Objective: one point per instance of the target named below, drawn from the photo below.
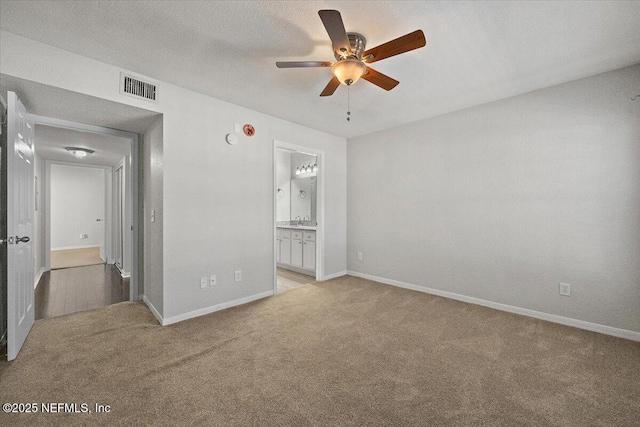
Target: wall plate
(232, 138)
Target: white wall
(77, 200)
(152, 201)
(503, 201)
(39, 236)
(283, 182)
(211, 222)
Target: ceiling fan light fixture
(348, 71)
(78, 152)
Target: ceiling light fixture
(78, 152)
(348, 71)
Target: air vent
(137, 88)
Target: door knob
(24, 239)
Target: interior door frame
(108, 226)
(134, 294)
(320, 159)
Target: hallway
(70, 290)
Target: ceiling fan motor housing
(358, 43)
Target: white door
(309, 255)
(285, 250)
(20, 212)
(296, 252)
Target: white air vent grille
(135, 87)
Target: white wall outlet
(153, 215)
(203, 282)
(84, 236)
(359, 256)
(212, 280)
(238, 276)
(565, 289)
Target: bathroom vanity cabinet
(296, 249)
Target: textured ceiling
(477, 52)
(51, 141)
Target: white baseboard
(123, 273)
(207, 310)
(581, 324)
(38, 277)
(153, 309)
(334, 275)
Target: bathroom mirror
(303, 198)
(296, 187)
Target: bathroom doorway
(298, 206)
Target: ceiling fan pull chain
(348, 103)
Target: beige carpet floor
(344, 352)
(67, 258)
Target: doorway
(85, 233)
(298, 215)
(77, 213)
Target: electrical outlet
(565, 289)
(212, 280)
(203, 282)
(238, 276)
(359, 256)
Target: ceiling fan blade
(332, 21)
(331, 87)
(303, 64)
(379, 79)
(395, 47)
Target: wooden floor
(290, 279)
(77, 289)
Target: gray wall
(152, 165)
(505, 200)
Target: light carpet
(344, 352)
(67, 258)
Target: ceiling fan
(352, 59)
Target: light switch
(212, 280)
(153, 215)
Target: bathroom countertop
(299, 227)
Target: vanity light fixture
(306, 168)
(78, 152)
